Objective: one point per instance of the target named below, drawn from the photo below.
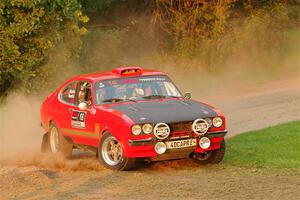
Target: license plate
(181, 143)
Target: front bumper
(144, 148)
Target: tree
(30, 33)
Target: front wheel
(111, 154)
(213, 157)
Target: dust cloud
(20, 125)
(21, 137)
(21, 134)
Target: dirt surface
(168, 180)
(260, 106)
(31, 176)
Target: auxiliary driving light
(204, 142)
(161, 130)
(160, 147)
(200, 126)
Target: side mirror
(83, 106)
(187, 95)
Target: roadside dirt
(168, 180)
(28, 175)
(259, 106)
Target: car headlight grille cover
(200, 126)
(161, 130)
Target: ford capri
(131, 114)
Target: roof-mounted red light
(128, 71)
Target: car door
(63, 110)
(83, 121)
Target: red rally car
(129, 114)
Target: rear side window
(68, 93)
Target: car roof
(98, 76)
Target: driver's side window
(84, 93)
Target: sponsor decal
(78, 119)
(113, 82)
(152, 79)
(130, 81)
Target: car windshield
(135, 88)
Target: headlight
(204, 142)
(147, 128)
(209, 122)
(136, 129)
(217, 122)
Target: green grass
(277, 146)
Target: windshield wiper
(159, 96)
(133, 100)
(156, 96)
(113, 100)
(173, 96)
(118, 100)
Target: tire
(110, 154)
(57, 144)
(212, 157)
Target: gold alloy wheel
(112, 151)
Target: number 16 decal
(78, 119)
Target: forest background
(45, 42)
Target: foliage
(31, 33)
(42, 44)
(192, 22)
(260, 35)
(276, 146)
(100, 6)
(213, 31)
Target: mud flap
(45, 144)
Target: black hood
(167, 111)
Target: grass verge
(277, 146)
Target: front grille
(181, 126)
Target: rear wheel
(111, 154)
(213, 157)
(57, 143)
